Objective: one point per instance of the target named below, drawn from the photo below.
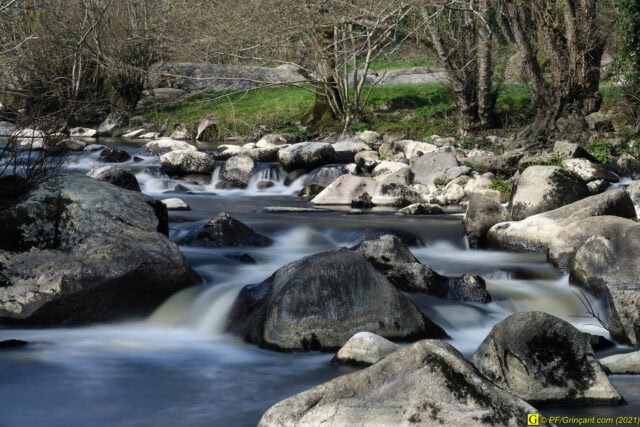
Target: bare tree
(461, 35)
(568, 32)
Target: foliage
(504, 187)
(601, 150)
(629, 60)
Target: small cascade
(266, 175)
(215, 176)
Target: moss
(601, 150)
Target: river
(178, 367)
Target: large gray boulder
(237, 171)
(569, 150)
(483, 212)
(347, 149)
(562, 231)
(77, 250)
(545, 361)
(589, 171)
(225, 231)
(544, 188)
(345, 190)
(306, 155)
(430, 167)
(502, 165)
(634, 193)
(623, 313)
(320, 178)
(184, 162)
(626, 363)
(320, 301)
(120, 177)
(427, 383)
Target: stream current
(178, 367)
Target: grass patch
(601, 150)
(383, 63)
(504, 187)
(240, 113)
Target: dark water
(178, 368)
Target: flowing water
(178, 367)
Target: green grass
(504, 187)
(240, 113)
(384, 63)
(601, 150)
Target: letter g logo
(533, 419)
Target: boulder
(225, 231)
(386, 252)
(417, 277)
(165, 145)
(367, 160)
(134, 133)
(272, 140)
(562, 231)
(306, 155)
(80, 132)
(628, 166)
(345, 190)
(371, 138)
(589, 171)
(264, 154)
(111, 123)
(634, 193)
(30, 139)
(422, 209)
(428, 168)
(114, 155)
(394, 190)
(347, 149)
(415, 149)
(78, 250)
(599, 122)
(120, 177)
(545, 361)
(626, 363)
(226, 151)
(623, 313)
(207, 129)
(364, 349)
(427, 383)
(386, 167)
(469, 288)
(502, 165)
(183, 162)
(544, 188)
(67, 144)
(483, 212)
(175, 204)
(320, 178)
(568, 150)
(237, 171)
(320, 301)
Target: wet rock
(483, 212)
(386, 252)
(346, 150)
(562, 231)
(242, 257)
(12, 344)
(306, 155)
(120, 177)
(237, 171)
(469, 288)
(627, 363)
(291, 209)
(345, 189)
(183, 162)
(77, 250)
(422, 209)
(545, 361)
(428, 168)
(134, 133)
(320, 301)
(176, 204)
(544, 188)
(264, 184)
(376, 233)
(568, 150)
(364, 349)
(114, 155)
(163, 146)
(67, 144)
(417, 277)
(628, 166)
(224, 230)
(427, 383)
